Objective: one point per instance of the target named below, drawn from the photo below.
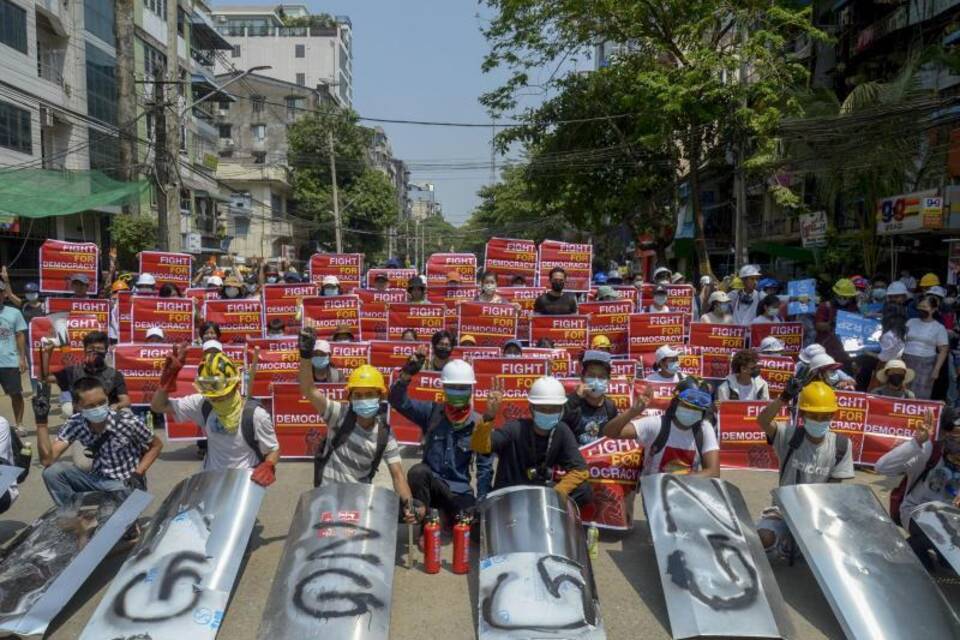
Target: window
(15, 128)
(225, 105)
(154, 62)
(299, 51)
(13, 26)
(276, 205)
(259, 132)
(181, 22)
(235, 53)
(241, 227)
(259, 157)
(101, 85)
(226, 130)
(294, 107)
(104, 150)
(157, 7)
(301, 79)
(98, 19)
(256, 103)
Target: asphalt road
(443, 605)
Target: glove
(481, 440)
(265, 474)
(171, 368)
(413, 365)
(306, 340)
(41, 403)
(791, 390)
(136, 481)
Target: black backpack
(247, 427)
(661, 440)
(347, 426)
(20, 459)
(843, 443)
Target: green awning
(40, 193)
(797, 254)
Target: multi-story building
(302, 49)
(422, 198)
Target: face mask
(545, 421)
(366, 407)
(556, 285)
(272, 279)
(320, 362)
(457, 397)
(442, 352)
(832, 378)
(773, 312)
(672, 367)
(895, 379)
(659, 300)
(597, 386)
(724, 308)
(329, 291)
(687, 417)
(95, 361)
(489, 288)
(231, 292)
(843, 301)
(229, 411)
(816, 428)
(32, 296)
(96, 415)
(879, 294)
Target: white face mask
(687, 417)
(32, 296)
(660, 300)
(489, 288)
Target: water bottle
(593, 542)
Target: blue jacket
(447, 450)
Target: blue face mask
(320, 362)
(365, 407)
(96, 415)
(457, 397)
(546, 421)
(816, 428)
(597, 386)
(672, 367)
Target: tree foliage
(131, 235)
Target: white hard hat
(212, 344)
(718, 296)
(547, 391)
(457, 372)
(321, 346)
(145, 280)
(749, 271)
(155, 332)
(660, 270)
(214, 281)
(771, 344)
(330, 280)
(822, 361)
(666, 351)
(705, 280)
(897, 288)
(940, 292)
(810, 352)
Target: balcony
(276, 32)
(55, 11)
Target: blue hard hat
(600, 278)
(31, 287)
(767, 283)
(393, 263)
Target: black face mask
(556, 285)
(895, 379)
(95, 361)
(442, 352)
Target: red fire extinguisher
(461, 544)
(431, 543)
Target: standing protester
(442, 479)
(323, 371)
(556, 302)
(330, 286)
(745, 382)
(381, 282)
(768, 310)
(488, 288)
(661, 275)
(845, 294)
(894, 378)
(240, 434)
(745, 300)
(529, 450)
(442, 342)
(95, 346)
(659, 301)
(718, 309)
(120, 446)
(925, 349)
(80, 285)
(31, 307)
(416, 290)
(7, 457)
(13, 356)
(667, 363)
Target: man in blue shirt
(13, 354)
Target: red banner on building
(789, 333)
(77, 326)
(776, 370)
(424, 386)
(450, 298)
(615, 467)
(441, 265)
(347, 267)
(239, 320)
(347, 356)
(424, 319)
(299, 426)
(648, 331)
(718, 338)
(743, 444)
(396, 278)
(98, 307)
(565, 332)
(282, 302)
(373, 310)
(387, 355)
(524, 298)
(329, 314)
(509, 258)
(167, 268)
(890, 421)
(491, 324)
(59, 260)
(575, 259)
(173, 315)
(278, 361)
(610, 319)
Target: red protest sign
(124, 311)
(472, 354)
(239, 320)
(524, 298)
(691, 364)
(347, 356)
(789, 333)
(173, 315)
(200, 294)
(715, 365)
(278, 361)
(566, 332)
(620, 368)
(282, 302)
(183, 431)
(510, 367)
(346, 267)
(718, 338)
(575, 259)
(450, 298)
(662, 395)
(81, 306)
(330, 314)
(509, 258)
(298, 424)
(77, 326)
(373, 310)
(609, 319)
(619, 391)
(167, 267)
(624, 292)
(850, 419)
(679, 298)
(141, 366)
(515, 388)
(648, 331)
(59, 260)
(776, 370)
(424, 386)
(890, 421)
(424, 319)
(561, 364)
(743, 444)
(441, 265)
(614, 467)
(396, 278)
(387, 355)
(491, 324)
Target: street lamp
(241, 76)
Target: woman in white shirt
(925, 349)
(718, 309)
(667, 363)
(745, 382)
(768, 310)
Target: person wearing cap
(824, 368)
(682, 440)
(661, 275)
(768, 310)
(442, 343)
(614, 277)
(31, 306)
(145, 285)
(666, 361)
(381, 282)
(744, 381)
(771, 346)
(467, 340)
(897, 294)
(768, 286)
(556, 302)
(269, 273)
(678, 278)
(925, 349)
(659, 301)
(894, 378)
(323, 371)
(442, 480)
(358, 435)
(330, 286)
(416, 290)
(744, 301)
(232, 288)
(531, 450)
(588, 409)
(825, 319)
(931, 466)
(155, 334)
(454, 278)
(80, 285)
(718, 309)
(275, 328)
(488, 288)
(239, 432)
(213, 282)
(808, 450)
(512, 349)
(601, 343)
(607, 293)
(599, 278)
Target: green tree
(131, 235)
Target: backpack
(843, 443)
(20, 459)
(247, 427)
(347, 425)
(661, 440)
(901, 490)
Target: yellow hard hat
(468, 339)
(845, 288)
(366, 377)
(930, 280)
(818, 397)
(736, 284)
(119, 285)
(600, 342)
(217, 375)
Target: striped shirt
(121, 444)
(351, 462)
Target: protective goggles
(696, 399)
(215, 385)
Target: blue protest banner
(805, 289)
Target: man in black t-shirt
(555, 302)
(94, 366)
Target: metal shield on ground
(716, 578)
(177, 581)
(8, 476)
(57, 553)
(535, 575)
(869, 575)
(941, 524)
(335, 578)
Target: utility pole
(493, 152)
(336, 197)
(740, 256)
(126, 97)
(170, 149)
(161, 179)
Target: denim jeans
(63, 479)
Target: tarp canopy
(40, 193)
